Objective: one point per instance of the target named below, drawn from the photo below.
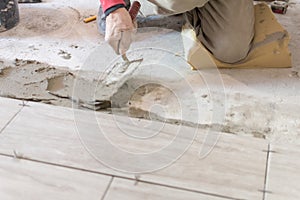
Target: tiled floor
(43, 157)
(22, 179)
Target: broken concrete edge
(35, 81)
(9, 14)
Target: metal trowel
(133, 11)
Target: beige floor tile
(235, 168)
(48, 133)
(8, 109)
(128, 190)
(28, 180)
(284, 174)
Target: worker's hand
(119, 30)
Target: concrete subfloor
(259, 102)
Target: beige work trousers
(225, 27)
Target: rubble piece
(9, 14)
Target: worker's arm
(109, 6)
(171, 7)
(119, 25)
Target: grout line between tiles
(265, 190)
(108, 187)
(12, 118)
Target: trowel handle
(134, 9)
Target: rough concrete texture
(61, 60)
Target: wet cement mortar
(31, 80)
(34, 81)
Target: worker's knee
(227, 34)
(231, 50)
